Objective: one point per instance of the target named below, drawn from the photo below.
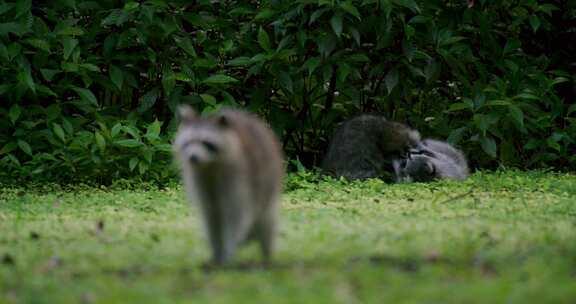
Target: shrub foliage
(90, 87)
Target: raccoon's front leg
(236, 218)
(265, 230)
(213, 224)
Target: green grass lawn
(500, 237)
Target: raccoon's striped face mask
(200, 141)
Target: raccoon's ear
(186, 113)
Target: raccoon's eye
(210, 147)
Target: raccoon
(431, 160)
(232, 166)
(365, 147)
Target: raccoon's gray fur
(232, 165)
(365, 146)
(431, 160)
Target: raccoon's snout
(194, 159)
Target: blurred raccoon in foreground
(231, 165)
(365, 147)
(431, 160)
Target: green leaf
(69, 45)
(219, 79)
(14, 50)
(133, 163)
(4, 7)
(558, 80)
(286, 81)
(265, 14)
(410, 4)
(451, 40)
(209, 99)
(458, 107)
(336, 23)
(488, 145)
(23, 7)
(134, 132)
(90, 67)
(186, 45)
(67, 126)
(148, 155)
(547, 8)
(57, 129)
(391, 80)
(116, 76)
(351, 9)
(40, 44)
(14, 113)
(482, 122)
(12, 27)
(264, 40)
(517, 116)
(497, 102)
(358, 58)
(571, 109)
(131, 5)
(168, 80)
(25, 78)
(70, 67)
(164, 148)
(153, 131)
(129, 143)
(86, 95)
(142, 167)
(148, 100)
(9, 147)
(534, 23)
(526, 95)
(115, 130)
(311, 64)
(70, 31)
(24, 146)
(456, 135)
(355, 35)
(316, 14)
(116, 17)
(100, 141)
(239, 61)
(553, 143)
(326, 44)
(44, 90)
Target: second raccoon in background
(365, 146)
(370, 146)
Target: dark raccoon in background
(431, 160)
(365, 147)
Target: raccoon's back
(364, 146)
(261, 151)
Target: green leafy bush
(90, 88)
